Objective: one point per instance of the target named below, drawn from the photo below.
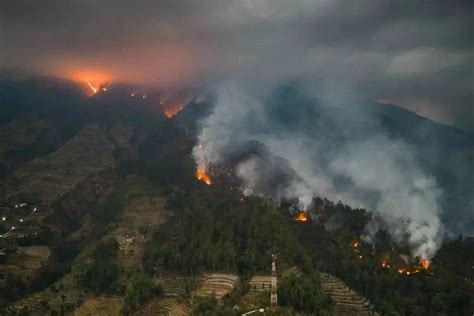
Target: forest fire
(403, 271)
(172, 111)
(95, 81)
(385, 264)
(302, 217)
(202, 175)
(94, 89)
(425, 263)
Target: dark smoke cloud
(415, 53)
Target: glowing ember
(425, 264)
(172, 111)
(385, 264)
(94, 89)
(404, 271)
(95, 81)
(355, 244)
(302, 217)
(202, 175)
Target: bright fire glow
(425, 263)
(302, 217)
(202, 175)
(404, 271)
(94, 80)
(172, 111)
(385, 264)
(94, 89)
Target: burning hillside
(171, 111)
(301, 217)
(93, 81)
(202, 175)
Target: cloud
(422, 61)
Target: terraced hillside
(175, 285)
(62, 295)
(347, 301)
(25, 261)
(133, 228)
(217, 285)
(261, 283)
(165, 307)
(26, 139)
(260, 286)
(45, 179)
(100, 306)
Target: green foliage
(101, 273)
(208, 306)
(170, 171)
(140, 289)
(303, 294)
(446, 291)
(210, 231)
(108, 210)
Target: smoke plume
(288, 144)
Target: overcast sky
(418, 54)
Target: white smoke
(377, 172)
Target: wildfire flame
(202, 175)
(170, 112)
(404, 271)
(95, 81)
(425, 263)
(302, 217)
(94, 89)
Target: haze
(416, 54)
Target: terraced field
(166, 307)
(217, 285)
(25, 261)
(23, 133)
(261, 283)
(47, 178)
(173, 286)
(63, 294)
(141, 212)
(100, 306)
(347, 301)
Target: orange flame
(302, 217)
(425, 263)
(404, 271)
(385, 264)
(202, 175)
(173, 110)
(89, 84)
(94, 80)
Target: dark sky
(418, 54)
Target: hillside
(107, 217)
